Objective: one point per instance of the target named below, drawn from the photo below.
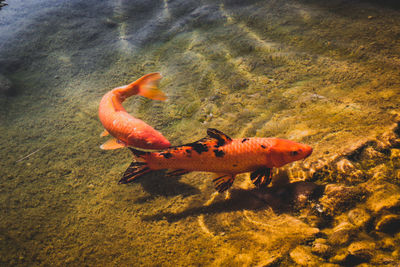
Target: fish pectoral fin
(261, 177)
(223, 181)
(148, 86)
(113, 144)
(104, 133)
(220, 136)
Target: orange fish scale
(240, 155)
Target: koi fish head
(286, 151)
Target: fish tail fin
(147, 86)
(134, 171)
(137, 168)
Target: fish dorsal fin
(220, 136)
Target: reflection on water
(317, 72)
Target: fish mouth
(309, 153)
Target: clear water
(325, 73)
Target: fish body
(225, 157)
(126, 129)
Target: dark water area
(323, 73)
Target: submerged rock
(340, 256)
(384, 196)
(320, 247)
(388, 224)
(387, 244)
(338, 198)
(362, 251)
(302, 256)
(302, 193)
(341, 234)
(359, 217)
(395, 153)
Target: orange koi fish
(220, 154)
(128, 130)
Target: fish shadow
(281, 199)
(159, 184)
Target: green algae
(306, 71)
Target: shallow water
(317, 72)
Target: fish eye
(294, 153)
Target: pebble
(395, 153)
(320, 247)
(344, 166)
(341, 234)
(359, 217)
(387, 243)
(340, 257)
(363, 250)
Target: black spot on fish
(219, 153)
(220, 142)
(222, 138)
(263, 146)
(166, 155)
(245, 139)
(199, 147)
(234, 165)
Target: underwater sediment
(316, 72)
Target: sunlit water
(324, 74)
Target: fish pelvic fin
(261, 177)
(104, 133)
(223, 181)
(113, 143)
(148, 86)
(134, 171)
